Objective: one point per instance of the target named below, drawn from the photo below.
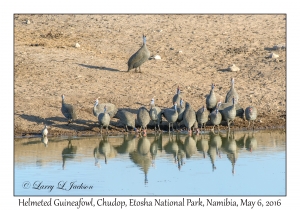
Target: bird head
(178, 90)
(152, 101)
(96, 102)
(144, 39)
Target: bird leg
(228, 124)
(140, 69)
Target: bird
(202, 117)
(68, 110)
(230, 113)
(45, 131)
(250, 115)
(126, 118)
(238, 108)
(189, 117)
(232, 94)
(171, 115)
(177, 96)
(98, 108)
(143, 118)
(211, 99)
(180, 110)
(138, 58)
(155, 114)
(216, 117)
(104, 119)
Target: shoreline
(113, 131)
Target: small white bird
(45, 131)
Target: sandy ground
(195, 50)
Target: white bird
(45, 131)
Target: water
(240, 163)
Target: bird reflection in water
(230, 147)
(215, 144)
(190, 145)
(176, 148)
(202, 145)
(142, 157)
(104, 150)
(181, 153)
(129, 144)
(68, 153)
(44, 140)
(154, 147)
(251, 142)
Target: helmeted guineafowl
(126, 118)
(171, 115)
(138, 58)
(68, 110)
(177, 97)
(110, 108)
(202, 117)
(211, 99)
(230, 113)
(143, 118)
(45, 131)
(189, 117)
(155, 114)
(216, 117)
(251, 114)
(232, 94)
(180, 110)
(238, 108)
(104, 119)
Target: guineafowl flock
(212, 111)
